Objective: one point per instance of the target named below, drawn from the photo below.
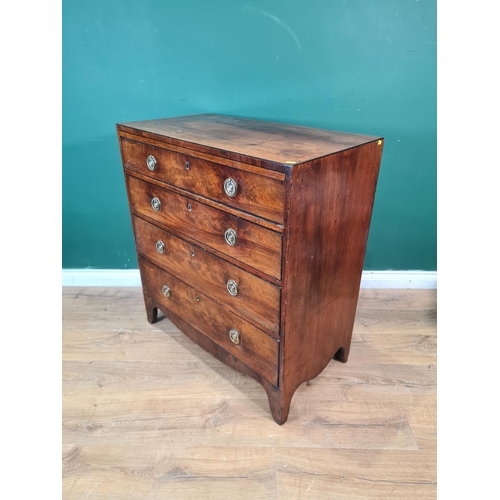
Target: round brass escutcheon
(165, 290)
(231, 237)
(230, 187)
(151, 162)
(156, 204)
(235, 336)
(160, 246)
(232, 288)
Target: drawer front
(254, 245)
(255, 349)
(254, 193)
(244, 292)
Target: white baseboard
(131, 277)
(399, 279)
(101, 277)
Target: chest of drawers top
(272, 146)
(251, 238)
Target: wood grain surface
(147, 414)
(256, 194)
(321, 210)
(255, 348)
(325, 237)
(256, 299)
(256, 246)
(276, 146)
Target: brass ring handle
(232, 288)
(160, 246)
(151, 162)
(230, 187)
(156, 204)
(165, 290)
(235, 336)
(231, 237)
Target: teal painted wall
(362, 66)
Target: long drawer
(244, 341)
(249, 295)
(247, 191)
(250, 243)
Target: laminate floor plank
(147, 414)
(397, 300)
(164, 471)
(137, 379)
(403, 348)
(341, 474)
(422, 417)
(235, 422)
(386, 322)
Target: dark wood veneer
(256, 298)
(255, 193)
(318, 185)
(330, 209)
(256, 246)
(256, 349)
(276, 146)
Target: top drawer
(259, 195)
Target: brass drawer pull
(151, 162)
(235, 336)
(156, 204)
(165, 290)
(231, 187)
(160, 246)
(232, 288)
(231, 237)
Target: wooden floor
(148, 414)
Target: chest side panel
(331, 202)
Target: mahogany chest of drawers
(251, 238)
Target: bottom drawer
(249, 344)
